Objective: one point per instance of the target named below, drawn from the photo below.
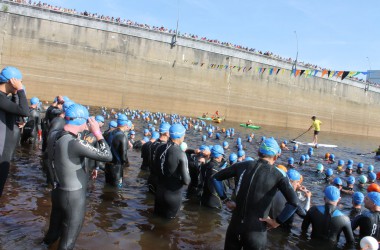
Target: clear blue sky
(336, 34)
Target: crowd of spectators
(173, 31)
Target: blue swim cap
(249, 159)
(338, 181)
(349, 166)
(290, 160)
(164, 127)
(340, 163)
(113, 124)
(155, 135)
(269, 147)
(293, 175)
(358, 198)
(320, 167)
(146, 139)
(371, 176)
(225, 144)
(132, 132)
(66, 105)
(34, 100)
(146, 131)
(204, 148)
(76, 114)
(240, 147)
(122, 120)
(351, 162)
(310, 149)
(152, 129)
(370, 168)
(329, 172)
(99, 118)
(285, 142)
(217, 135)
(263, 138)
(332, 157)
(332, 193)
(233, 158)
(217, 151)
(177, 131)
(374, 197)
(302, 158)
(238, 141)
(204, 137)
(10, 72)
(307, 157)
(351, 180)
(360, 165)
(362, 179)
(241, 153)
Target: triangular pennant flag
(249, 68)
(324, 72)
(293, 72)
(330, 73)
(263, 70)
(364, 73)
(335, 73)
(202, 64)
(302, 71)
(244, 69)
(339, 74)
(260, 69)
(226, 67)
(316, 72)
(345, 73)
(239, 68)
(298, 71)
(278, 70)
(270, 71)
(356, 73)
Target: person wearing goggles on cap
(213, 192)
(327, 221)
(258, 186)
(10, 111)
(71, 177)
(369, 221)
(279, 201)
(173, 173)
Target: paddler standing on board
(317, 128)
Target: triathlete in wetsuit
(357, 201)
(327, 221)
(153, 175)
(118, 142)
(10, 83)
(258, 187)
(173, 174)
(69, 197)
(32, 128)
(369, 222)
(279, 201)
(196, 159)
(146, 151)
(213, 191)
(53, 111)
(112, 126)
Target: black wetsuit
(235, 171)
(51, 113)
(194, 169)
(114, 171)
(32, 126)
(327, 224)
(258, 187)
(145, 155)
(354, 212)
(69, 198)
(153, 175)
(368, 223)
(213, 191)
(9, 113)
(90, 164)
(173, 173)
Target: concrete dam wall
(107, 64)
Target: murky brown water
(123, 219)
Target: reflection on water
(123, 219)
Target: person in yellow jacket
(317, 128)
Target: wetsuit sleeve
(11, 107)
(301, 212)
(123, 149)
(219, 188)
(291, 198)
(306, 221)
(84, 149)
(348, 234)
(225, 173)
(184, 169)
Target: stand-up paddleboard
(312, 144)
(205, 118)
(249, 126)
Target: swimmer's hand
(231, 205)
(94, 128)
(271, 223)
(16, 84)
(94, 174)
